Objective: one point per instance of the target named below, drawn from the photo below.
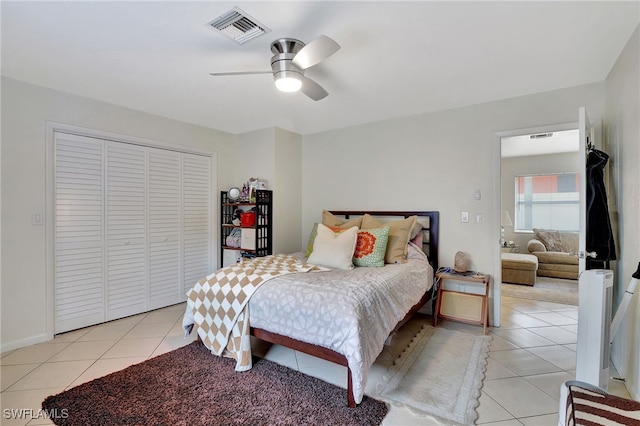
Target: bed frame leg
(351, 401)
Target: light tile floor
(531, 354)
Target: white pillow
(334, 249)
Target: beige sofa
(556, 252)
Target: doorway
(539, 187)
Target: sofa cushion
(556, 270)
(517, 276)
(557, 258)
(525, 262)
(519, 268)
(571, 242)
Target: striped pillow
(596, 407)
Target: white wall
(255, 153)
(275, 155)
(622, 137)
(287, 205)
(535, 164)
(433, 162)
(25, 111)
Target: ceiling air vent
(238, 26)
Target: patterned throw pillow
(371, 247)
(551, 239)
(312, 237)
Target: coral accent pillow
(398, 236)
(334, 249)
(371, 247)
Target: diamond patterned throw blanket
(219, 303)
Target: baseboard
(17, 344)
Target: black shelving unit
(263, 207)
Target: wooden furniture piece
(430, 242)
(471, 308)
(258, 237)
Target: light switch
(464, 217)
(478, 217)
(477, 195)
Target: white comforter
(351, 312)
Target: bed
(346, 316)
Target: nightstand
(471, 308)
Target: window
(549, 201)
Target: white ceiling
(397, 58)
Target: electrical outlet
(36, 218)
(464, 217)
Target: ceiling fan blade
(315, 52)
(215, 74)
(313, 89)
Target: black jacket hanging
(599, 233)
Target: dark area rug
(190, 386)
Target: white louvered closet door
(79, 251)
(165, 217)
(132, 228)
(126, 277)
(196, 229)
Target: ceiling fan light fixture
(290, 59)
(287, 81)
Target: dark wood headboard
(431, 229)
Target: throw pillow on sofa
(552, 239)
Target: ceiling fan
(290, 59)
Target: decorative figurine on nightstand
(461, 263)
